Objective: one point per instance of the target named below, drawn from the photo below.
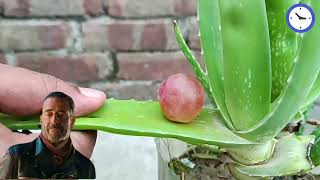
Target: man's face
(56, 120)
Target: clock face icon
(300, 18)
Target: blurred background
(124, 48)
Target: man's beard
(56, 138)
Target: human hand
(22, 92)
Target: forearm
(84, 141)
(9, 138)
(8, 168)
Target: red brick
(151, 66)
(1, 6)
(147, 8)
(154, 37)
(17, 7)
(120, 36)
(115, 7)
(2, 59)
(194, 40)
(51, 7)
(34, 36)
(185, 7)
(124, 35)
(93, 7)
(140, 8)
(78, 68)
(95, 36)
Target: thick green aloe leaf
(315, 149)
(212, 50)
(290, 157)
(284, 44)
(305, 71)
(314, 93)
(144, 118)
(202, 77)
(240, 176)
(258, 153)
(247, 61)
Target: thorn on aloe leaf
(194, 63)
(279, 101)
(174, 24)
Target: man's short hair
(63, 96)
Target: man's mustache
(56, 127)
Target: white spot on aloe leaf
(279, 36)
(279, 101)
(289, 79)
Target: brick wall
(119, 46)
(122, 47)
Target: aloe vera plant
(258, 75)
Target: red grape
(181, 98)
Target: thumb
(22, 92)
(86, 100)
